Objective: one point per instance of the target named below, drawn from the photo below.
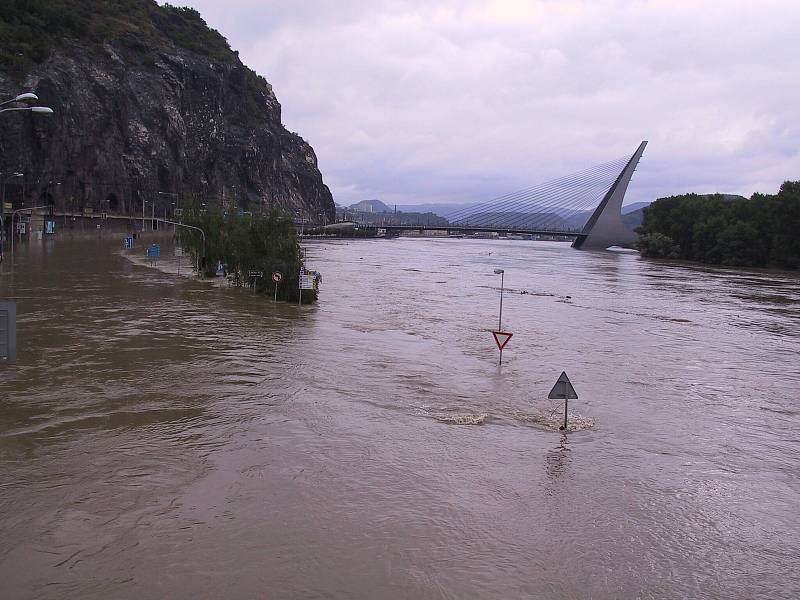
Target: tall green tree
(245, 243)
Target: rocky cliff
(147, 99)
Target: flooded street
(164, 438)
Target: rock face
(134, 118)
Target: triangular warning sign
(501, 338)
(563, 389)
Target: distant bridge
(585, 206)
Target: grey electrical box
(8, 332)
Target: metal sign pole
(563, 389)
(500, 324)
(276, 279)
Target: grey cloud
(451, 101)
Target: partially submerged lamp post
(24, 100)
(501, 337)
(500, 272)
(3, 211)
(203, 236)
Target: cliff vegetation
(30, 30)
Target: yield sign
(563, 389)
(501, 338)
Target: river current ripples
(167, 438)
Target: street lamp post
(500, 345)
(500, 272)
(174, 195)
(6, 180)
(26, 99)
(202, 233)
(3, 212)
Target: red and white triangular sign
(501, 338)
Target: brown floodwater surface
(166, 438)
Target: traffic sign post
(8, 331)
(501, 339)
(563, 389)
(277, 277)
(256, 275)
(153, 251)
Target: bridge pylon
(605, 227)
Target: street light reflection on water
(162, 437)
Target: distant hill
(371, 206)
(724, 197)
(629, 208)
(437, 208)
(634, 218)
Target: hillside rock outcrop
(136, 115)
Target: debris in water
(554, 421)
(461, 419)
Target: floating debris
(461, 419)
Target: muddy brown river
(165, 438)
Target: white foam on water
(461, 419)
(553, 421)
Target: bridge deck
(456, 229)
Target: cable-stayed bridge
(585, 206)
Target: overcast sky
(461, 100)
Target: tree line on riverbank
(762, 231)
(244, 243)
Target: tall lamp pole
(501, 344)
(3, 211)
(500, 272)
(174, 195)
(20, 102)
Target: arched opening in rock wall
(112, 203)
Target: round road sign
(277, 277)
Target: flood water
(165, 438)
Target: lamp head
(42, 110)
(27, 98)
(499, 271)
